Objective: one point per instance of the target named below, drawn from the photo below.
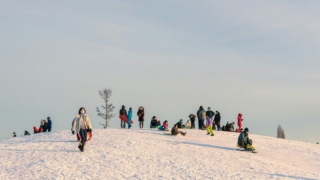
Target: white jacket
(76, 125)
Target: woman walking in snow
(82, 125)
(141, 116)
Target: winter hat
(246, 130)
(48, 117)
(201, 107)
(130, 108)
(123, 107)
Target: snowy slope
(148, 154)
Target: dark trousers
(122, 124)
(49, 129)
(83, 135)
(141, 124)
(218, 127)
(193, 125)
(201, 124)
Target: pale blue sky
(260, 58)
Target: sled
(131, 122)
(249, 148)
(123, 118)
(89, 136)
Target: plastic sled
(89, 136)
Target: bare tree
(280, 133)
(108, 108)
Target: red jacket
(240, 120)
(165, 125)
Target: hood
(240, 115)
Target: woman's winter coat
(240, 120)
(86, 120)
(165, 125)
(141, 114)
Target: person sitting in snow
(231, 126)
(180, 124)
(154, 122)
(43, 126)
(175, 130)
(26, 133)
(164, 126)
(244, 140)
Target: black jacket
(140, 113)
(210, 113)
(123, 111)
(217, 119)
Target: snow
(149, 154)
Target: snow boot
(208, 133)
(212, 134)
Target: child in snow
(209, 126)
(175, 130)
(129, 118)
(164, 126)
(49, 124)
(188, 125)
(239, 122)
(154, 122)
(180, 124)
(26, 133)
(43, 126)
(243, 140)
(14, 134)
(82, 125)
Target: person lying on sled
(243, 140)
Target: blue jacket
(49, 124)
(129, 115)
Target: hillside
(149, 154)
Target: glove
(73, 132)
(90, 130)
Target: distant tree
(108, 108)
(280, 133)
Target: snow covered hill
(149, 154)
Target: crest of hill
(149, 154)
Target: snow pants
(209, 129)
(49, 129)
(201, 123)
(83, 134)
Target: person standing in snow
(129, 117)
(209, 126)
(192, 119)
(217, 119)
(140, 114)
(239, 122)
(14, 134)
(243, 139)
(175, 130)
(49, 124)
(201, 117)
(123, 114)
(82, 125)
(210, 114)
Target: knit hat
(246, 130)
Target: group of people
(44, 127)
